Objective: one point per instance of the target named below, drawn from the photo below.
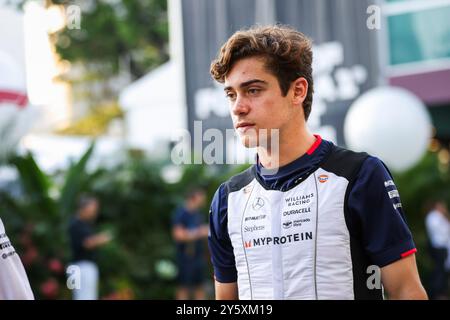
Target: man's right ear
(300, 88)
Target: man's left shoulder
(344, 162)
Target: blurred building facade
(358, 45)
(416, 49)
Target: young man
(14, 283)
(329, 220)
(84, 243)
(189, 233)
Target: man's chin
(249, 142)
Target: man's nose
(240, 106)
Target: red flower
(30, 256)
(50, 288)
(55, 265)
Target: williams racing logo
(393, 194)
(268, 241)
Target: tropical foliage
(136, 207)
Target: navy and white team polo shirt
(311, 230)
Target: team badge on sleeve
(393, 193)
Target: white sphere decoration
(390, 123)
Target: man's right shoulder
(178, 214)
(240, 180)
(235, 183)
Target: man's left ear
(300, 87)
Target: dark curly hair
(287, 53)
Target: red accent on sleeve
(408, 253)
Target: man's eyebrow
(246, 84)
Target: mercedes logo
(258, 203)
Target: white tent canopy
(154, 107)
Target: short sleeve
(376, 214)
(222, 256)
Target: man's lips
(244, 126)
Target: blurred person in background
(437, 224)
(14, 283)
(84, 243)
(189, 232)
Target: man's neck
(290, 149)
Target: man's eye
(230, 95)
(253, 91)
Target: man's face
(442, 207)
(256, 101)
(90, 211)
(199, 199)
